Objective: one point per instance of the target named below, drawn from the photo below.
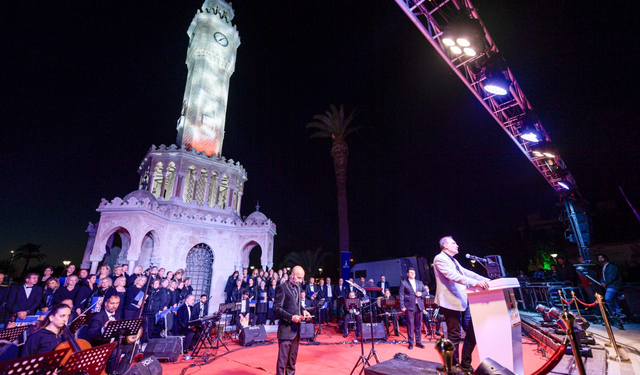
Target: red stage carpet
(334, 356)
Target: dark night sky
(87, 87)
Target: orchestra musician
(389, 312)
(328, 293)
(352, 316)
(187, 313)
(24, 300)
(411, 303)
(47, 333)
(202, 307)
(95, 334)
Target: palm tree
(310, 260)
(332, 124)
(28, 252)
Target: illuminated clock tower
(211, 60)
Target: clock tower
(211, 60)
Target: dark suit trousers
(454, 320)
(287, 355)
(414, 324)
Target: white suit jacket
(450, 283)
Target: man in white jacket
(451, 281)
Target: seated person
(186, 313)
(389, 313)
(95, 334)
(352, 315)
(47, 333)
(243, 316)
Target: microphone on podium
(473, 257)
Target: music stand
(390, 304)
(372, 352)
(12, 334)
(117, 329)
(90, 361)
(317, 309)
(41, 364)
(354, 303)
(79, 322)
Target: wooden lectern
(496, 322)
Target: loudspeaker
(148, 366)
(491, 367)
(307, 331)
(252, 334)
(379, 332)
(168, 348)
(405, 365)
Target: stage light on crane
(464, 36)
(544, 149)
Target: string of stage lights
(455, 30)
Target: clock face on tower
(221, 39)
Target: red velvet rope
(582, 303)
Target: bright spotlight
(469, 51)
(565, 185)
(531, 136)
(495, 89)
(456, 50)
(448, 42)
(463, 42)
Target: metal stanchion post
(575, 300)
(575, 343)
(612, 339)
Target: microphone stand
(489, 273)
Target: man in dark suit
(95, 334)
(187, 313)
(412, 304)
(612, 282)
(202, 307)
(342, 291)
(328, 293)
(311, 288)
(24, 300)
(287, 308)
(383, 284)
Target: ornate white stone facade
(189, 199)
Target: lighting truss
(432, 17)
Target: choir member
(134, 298)
(262, 304)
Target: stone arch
(246, 251)
(199, 268)
(117, 244)
(149, 246)
(158, 177)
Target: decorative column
(94, 267)
(86, 259)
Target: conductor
(288, 309)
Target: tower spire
(211, 59)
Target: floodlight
(464, 35)
(566, 185)
(544, 149)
